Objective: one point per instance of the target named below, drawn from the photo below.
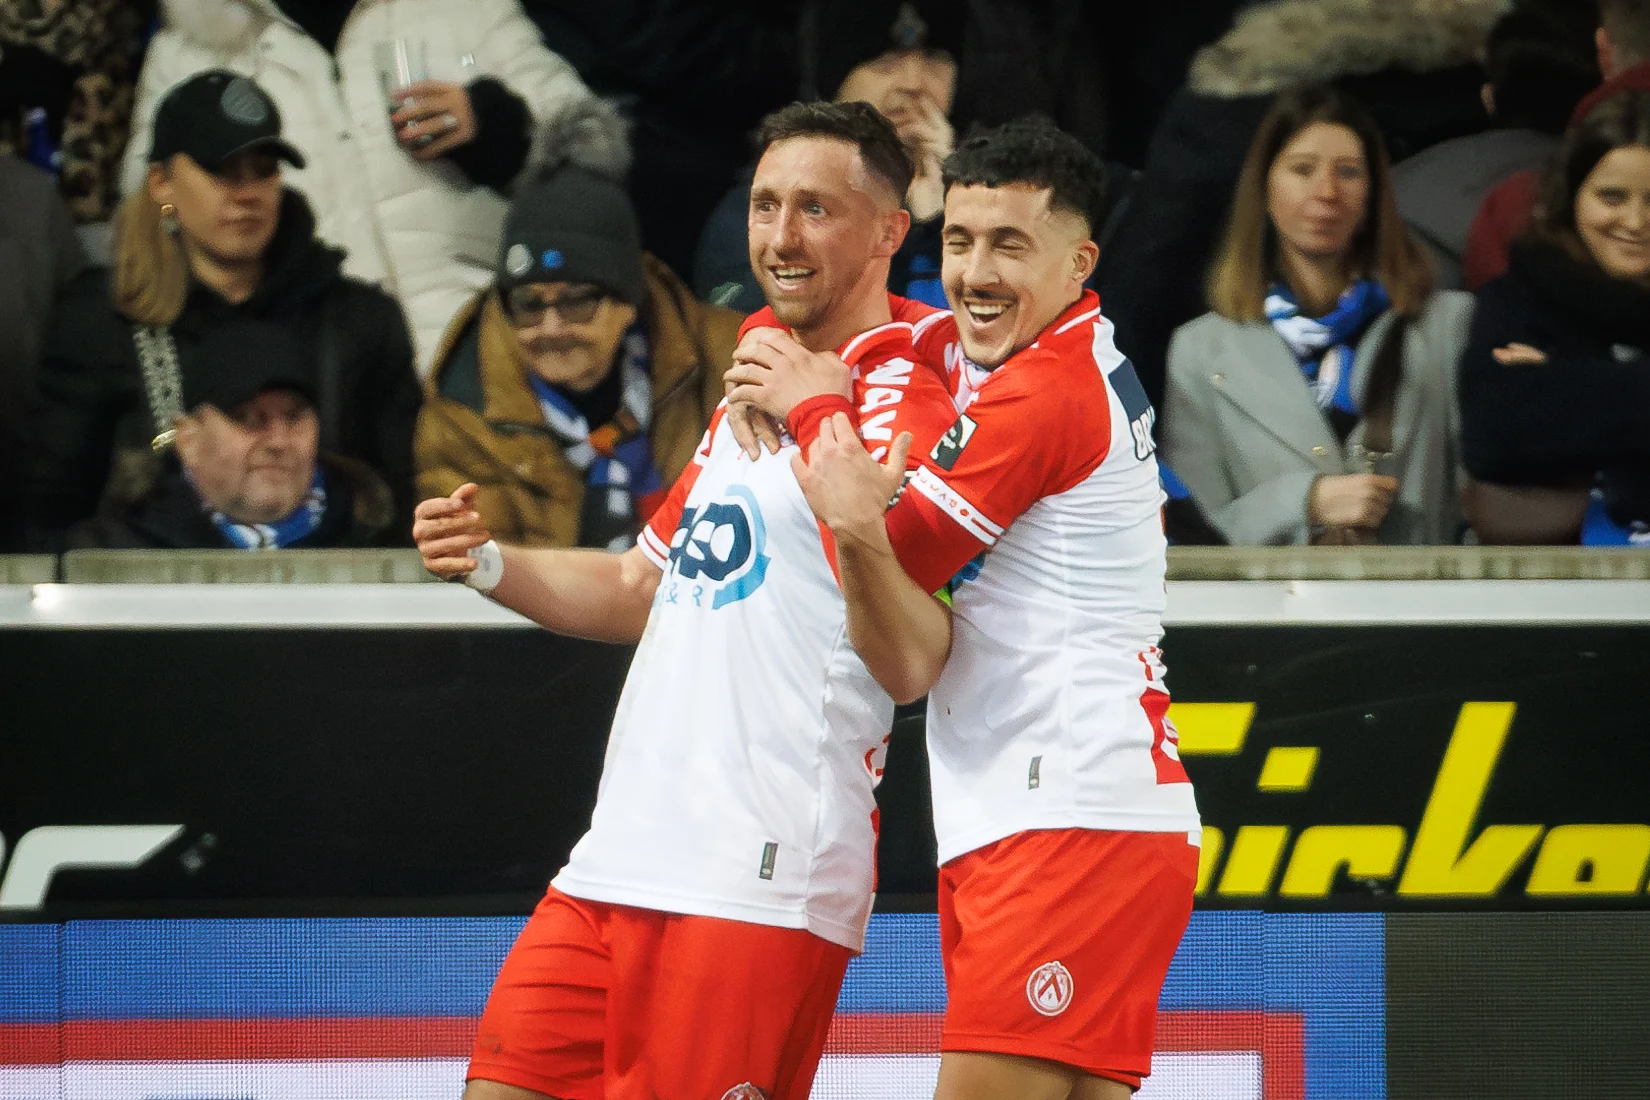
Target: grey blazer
(1241, 429)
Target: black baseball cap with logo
(216, 115)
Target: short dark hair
(1619, 122)
(1627, 22)
(859, 124)
(1540, 60)
(1032, 150)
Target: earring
(169, 219)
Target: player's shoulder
(762, 318)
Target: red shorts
(1056, 944)
(609, 1002)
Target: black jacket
(1587, 408)
(92, 423)
(170, 516)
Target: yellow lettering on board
(1616, 857)
(1211, 729)
(1208, 857)
(1442, 864)
(1366, 851)
(1288, 768)
(1254, 860)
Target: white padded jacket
(422, 230)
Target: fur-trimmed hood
(223, 26)
(1307, 41)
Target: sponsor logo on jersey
(1137, 408)
(1049, 989)
(717, 555)
(951, 444)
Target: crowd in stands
(1383, 266)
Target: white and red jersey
(1043, 507)
(749, 738)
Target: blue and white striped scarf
(1326, 346)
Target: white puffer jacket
(421, 229)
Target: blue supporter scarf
(299, 524)
(616, 458)
(1326, 346)
(1598, 529)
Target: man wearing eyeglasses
(574, 389)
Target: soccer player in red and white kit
(1068, 832)
(694, 945)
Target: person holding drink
(413, 116)
(1315, 403)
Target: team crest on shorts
(747, 1091)
(1049, 989)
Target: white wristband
(489, 568)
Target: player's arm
(901, 632)
(582, 593)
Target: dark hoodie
(171, 517)
(90, 432)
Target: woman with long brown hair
(1555, 384)
(213, 238)
(1313, 404)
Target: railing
(1284, 563)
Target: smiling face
(229, 214)
(1612, 212)
(817, 222)
(1317, 192)
(1011, 265)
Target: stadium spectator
(1538, 64)
(1414, 62)
(213, 237)
(913, 87)
(39, 255)
(1555, 383)
(246, 472)
(1314, 404)
(415, 198)
(76, 60)
(1622, 41)
(575, 389)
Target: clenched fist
(446, 529)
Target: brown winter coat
(490, 430)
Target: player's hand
(435, 117)
(776, 374)
(1514, 354)
(446, 529)
(847, 489)
(1351, 500)
(752, 428)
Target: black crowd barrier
(1398, 767)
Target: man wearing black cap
(246, 471)
(573, 390)
(213, 239)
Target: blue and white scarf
(616, 458)
(299, 524)
(1326, 346)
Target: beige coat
(490, 429)
(1241, 429)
